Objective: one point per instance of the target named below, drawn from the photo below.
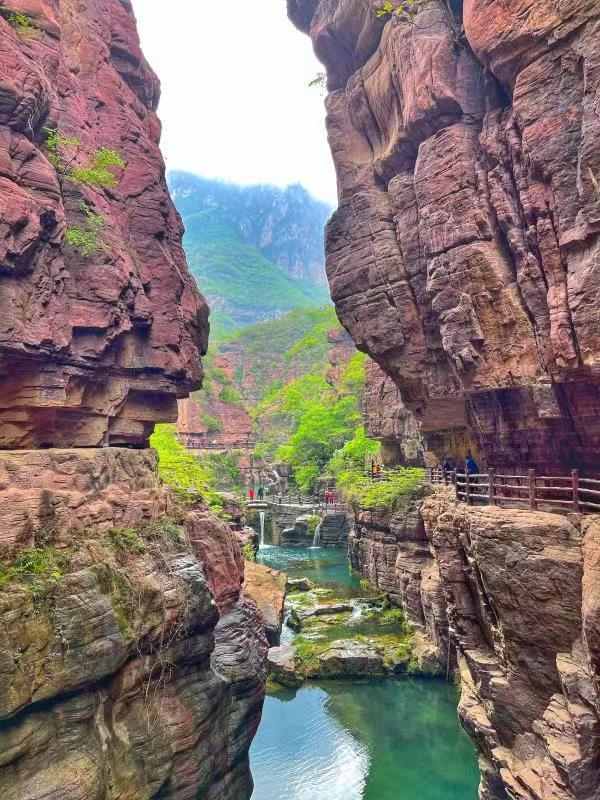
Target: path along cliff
(131, 662)
(464, 259)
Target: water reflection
(303, 753)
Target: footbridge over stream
(293, 522)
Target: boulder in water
(348, 658)
(284, 666)
(267, 588)
(300, 585)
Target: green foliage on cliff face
(348, 464)
(404, 486)
(230, 396)
(320, 418)
(97, 169)
(293, 344)
(20, 23)
(33, 568)
(87, 238)
(211, 423)
(182, 472)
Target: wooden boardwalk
(555, 493)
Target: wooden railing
(547, 492)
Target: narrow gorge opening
(299, 431)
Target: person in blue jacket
(471, 464)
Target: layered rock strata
(464, 256)
(131, 663)
(522, 599)
(391, 550)
(132, 666)
(67, 491)
(94, 347)
(510, 596)
(389, 421)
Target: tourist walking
(261, 493)
(251, 494)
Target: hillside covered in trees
(256, 251)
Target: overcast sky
(235, 97)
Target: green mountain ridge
(242, 286)
(256, 252)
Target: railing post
(456, 486)
(575, 475)
(532, 497)
(468, 489)
(491, 490)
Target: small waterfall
(261, 515)
(317, 537)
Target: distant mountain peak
(256, 251)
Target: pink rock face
(387, 419)
(92, 348)
(464, 256)
(71, 491)
(216, 548)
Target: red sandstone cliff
(464, 256)
(105, 343)
(131, 664)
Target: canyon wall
(464, 259)
(132, 665)
(521, 591)
(464, 256)
(131, 662)
(93, 348)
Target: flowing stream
(343, 740)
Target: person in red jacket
(251, 494)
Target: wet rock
(391, 550)
(122, 646)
